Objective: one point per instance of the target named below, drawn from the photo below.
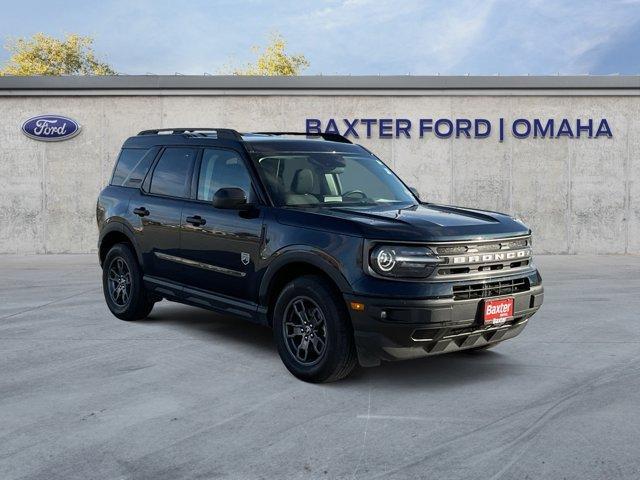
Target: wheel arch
(293, 264)
(115, 233)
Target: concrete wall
(578, 195)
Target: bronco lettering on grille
(491, 257)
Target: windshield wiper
(354, 205)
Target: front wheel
(122, 285)
(312, 330)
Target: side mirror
(230, 198)
(415, 191)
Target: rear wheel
(312, 331)
(122, 284)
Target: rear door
(222, 246)
(158, 206)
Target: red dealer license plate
(498, 311)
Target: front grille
(482, 247)
(482, 258)
(490, 289)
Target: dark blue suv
(315, 237)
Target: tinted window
(317, 178)
(221, 169)
(132, 166)
(172, 173)
(368, 175)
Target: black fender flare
(304, 254)
(120, 227)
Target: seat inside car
(302, 187)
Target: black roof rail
(222, 133)
(331, 137)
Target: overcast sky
(348, 36)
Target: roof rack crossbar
(331, 137)
(226, 133)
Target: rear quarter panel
(112, 213)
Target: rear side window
(132, 166)
(172, 174)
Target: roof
(252, 85)
(276, 145)
(260, 143)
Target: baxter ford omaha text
(461, 127)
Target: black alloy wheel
(305, 330)
(119, 278)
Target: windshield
(331, 179)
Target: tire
(327, 319)
(122, 284)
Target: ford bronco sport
(315, 237)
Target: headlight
(403, 261)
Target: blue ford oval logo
(50, 128)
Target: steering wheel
(360, 193)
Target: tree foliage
(45, 55)
(273, 60)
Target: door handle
(196, 220)
(141, 211)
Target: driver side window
(222, 169)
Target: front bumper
(398, 329)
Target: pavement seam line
(47, 304)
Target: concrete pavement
(190, 394)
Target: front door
(221, 246)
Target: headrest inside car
(302, 181)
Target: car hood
(425, 222)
